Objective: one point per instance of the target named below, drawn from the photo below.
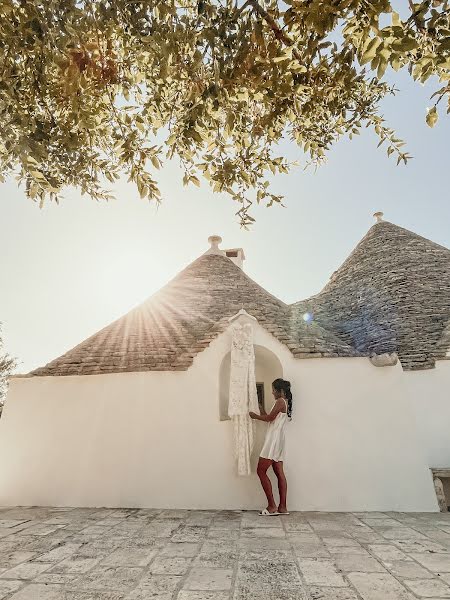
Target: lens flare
(307, 317)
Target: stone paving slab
(148, 554)
(325, 593)
(379, 586)
(189, 595)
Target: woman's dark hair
(281, 385)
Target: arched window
(267, 368)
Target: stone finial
(378, 216)
(214, 241)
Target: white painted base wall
(429, 395)
(156, 439)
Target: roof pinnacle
(214, 241)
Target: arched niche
(267, 368)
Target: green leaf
(444, 45)
(395, 19)
(382, 66)
(432, 117)
(155, 162)
(370, 53)
(406, 44)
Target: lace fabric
(243, 395)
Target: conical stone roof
(392, 294)
(167, 331)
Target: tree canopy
(7, 365)
(91, 89)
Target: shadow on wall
(267, 368)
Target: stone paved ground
(91, 554)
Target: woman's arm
(278, 407)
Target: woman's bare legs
(282, 485)
(263, 465)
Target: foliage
(90, 89)
(7, 365)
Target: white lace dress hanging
(243, 395)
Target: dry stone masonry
(392, 295)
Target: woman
(272, 453)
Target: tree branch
(278, 32)
(414, 15)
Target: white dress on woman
(273, 447)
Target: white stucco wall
(156, 439)
(429, 395)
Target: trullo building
(136, 415)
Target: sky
(69, 270)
